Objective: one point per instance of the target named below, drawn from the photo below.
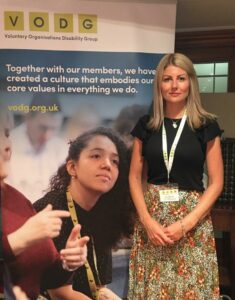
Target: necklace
(175, 123)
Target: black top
(188, 164)
(88, 221)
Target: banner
(96, 58)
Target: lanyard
(169, 162)
(90, 275)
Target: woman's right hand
(154, 230)
(156, 233)
(19, 293)
(45, 224)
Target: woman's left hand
(75, 253)
(174, 231)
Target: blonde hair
(196, 114)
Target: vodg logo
(39, 21)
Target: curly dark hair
(116, 218)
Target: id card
(169, 193)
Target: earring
(74, 176)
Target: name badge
(169, 193)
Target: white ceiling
(197, 15)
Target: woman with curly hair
(94, 181)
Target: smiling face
(5, 147)
(97, 168)
(175, 85)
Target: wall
(223, 105)
(208, 46)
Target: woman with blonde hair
(173, 254)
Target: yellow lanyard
(90, 275)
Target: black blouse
(88, 221)
(188, 164)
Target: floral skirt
(187, 270)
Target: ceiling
(198, 15)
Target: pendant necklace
(175, 123)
